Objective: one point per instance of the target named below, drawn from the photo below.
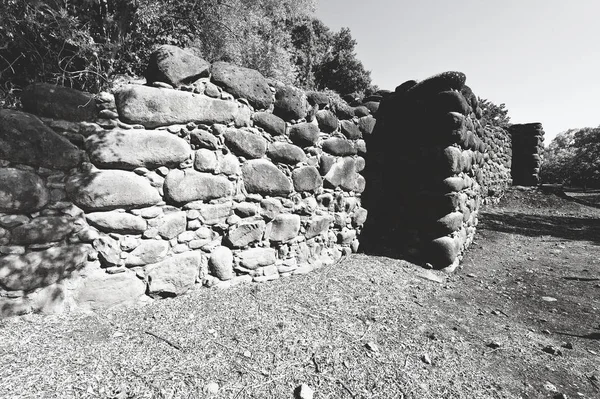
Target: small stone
(549, 299)
(212, 388)
(372, 346)
(426, 359)
(552, 350)
(221, 263)
(493, 345)
(303, 392)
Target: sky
(539, 57)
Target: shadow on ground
(565, 227)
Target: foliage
(573, 158)
(494, 115)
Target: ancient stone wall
(209, 174)
(430, 166)
(528, 149)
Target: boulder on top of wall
(448, 101)
(262, 177)
(344, 111)
(361, 111)
(317, 98)
(270, 123)
(117, 222)
(59, 102)
(38, 269)
(283, 228)
(246, 144)
(130, 149)
(242, 82)
(290, 103)
(175, 66)
(444, 81)
(342, 174)
(174, 275)
(42, 230)
(304, 134)
(283, 152)
(327, 121)
(21, 191)
(442, 252)
(257, 257)
(188, 185)
(372, 106)
(307, 178)
(351, 130)
(470, 97)
(338, 146)
(104, 190)
(153, 107)
(25, 139)
(100, 290)
(366, 124)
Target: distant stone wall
(528, 150)
(210, 174)
(430, 166)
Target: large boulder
(262, 177)
(307, 178)
(100, 290)
(41, 268)
(221, 263)
(290, 103)
(245, 144)
(130, 149)
(245, 232)
(256, 257)
(338, 146)
(243, 82)
(327, 120)
(42, 230)
(149, 251)
(21, 191)
(25, 139)
(187, 185)
(284, 227)
(110, 189)
(174, 275)
(444, 81)
(343, 174)
(175, 66)
(153, 107)
(59, 102)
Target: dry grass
(358, 329)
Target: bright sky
(539, 57)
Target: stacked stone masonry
(208, 174)
(528, 149)
(430, 141)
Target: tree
(494, 115)
(573, 158)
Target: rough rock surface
(245, 144)
(152, 107)
(257, 257)
(304, 134)
(42, 229)
(284, 227)
(262, 177)
(327, 120)
(187, 185)
(338, 146)
(175, 66)
(100, 290)
(174, 275)
(290, 103)
(221, 263)
(41, 268)
(342, 174)
(245, 232)
(307, 178)
(117, 222)
(148, 252)
(25, 139)
(130, 149)
(243, 82)
(271, 123)
(110, 189)
(45, 99)
(283, 152)
(21, 191)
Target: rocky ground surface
(519, 319)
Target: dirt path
(520, 319)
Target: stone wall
(209, 174)
(528, 149)
(430, 166)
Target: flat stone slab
(59, 102)
(153, 107)
(188, 185)
(100, 290)
(130, 149)
(174, 275)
